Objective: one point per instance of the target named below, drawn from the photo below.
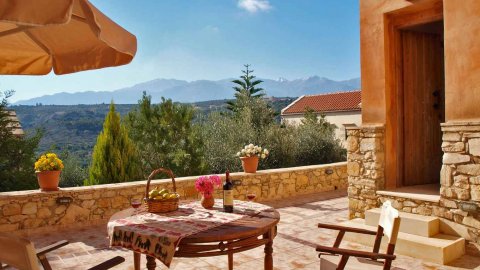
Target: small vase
(48, 180)
(249, 164)
(207, 202)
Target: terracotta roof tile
(329, 102)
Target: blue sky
(212, 39)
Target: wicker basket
(161, 206)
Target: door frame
(394, 22)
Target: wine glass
(251, 195)
(135, 203)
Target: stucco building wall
(462, 59)
(370, 146)
(372, 57)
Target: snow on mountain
(194, 91)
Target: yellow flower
(48, 162)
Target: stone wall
(365, 166)
(460, 177)
(25, 211)
(410, 205)
(459, 203)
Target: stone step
(331, 263)
(440, 249)
(426, 226)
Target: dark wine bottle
(228, 194)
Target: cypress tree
(115, 157)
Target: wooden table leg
(268, 263)
(230, 261)
(136, 260)
(151, 264)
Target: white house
(340, 108)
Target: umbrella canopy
(66, 35)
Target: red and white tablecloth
(158, 235)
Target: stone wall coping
(460, 123)
(373, 126)
(413, 196)
(352, 128)
(137, 184)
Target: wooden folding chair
(388, 225)
(20, 253)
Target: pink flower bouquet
(206, 184)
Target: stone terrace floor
(293, 246)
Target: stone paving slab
(294, 246)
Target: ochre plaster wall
(462, 60)
(372, 41)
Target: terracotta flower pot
(249, 164)
(207, 202)
(48, 180)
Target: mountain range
(194, 91)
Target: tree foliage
(73, 174)
(311, 143)
(72, 128)
(252, 120)
(17, 155)
(223, 136)
(115, 158)
(246, 91)
(165, 137)
(316, 141)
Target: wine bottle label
(228, 197)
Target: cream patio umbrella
(66, 35)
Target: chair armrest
(355, 253)
(109, 264)
(57, 245)
(345, 229)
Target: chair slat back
(389, 221)
(18, 252)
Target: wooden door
(423, 106)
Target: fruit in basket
(153, 193)
(163, 194)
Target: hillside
(75, 128)
(194, 91)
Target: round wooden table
(250, 231)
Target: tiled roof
(329, 102)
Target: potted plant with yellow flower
(48, 168)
